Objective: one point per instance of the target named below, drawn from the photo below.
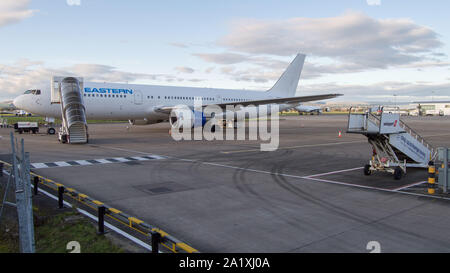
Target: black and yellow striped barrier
(169, 242)
(431, 178)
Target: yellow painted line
(116, 211)
(171, 248)
(163, 233)
(187, 248)
(294, 147)
(134, 220)
(82, 195)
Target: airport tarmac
(227, 196)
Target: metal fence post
(101, 220)
(36, 185)
(61, 197)
(156, 239)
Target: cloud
(13, 11)
(222, 58)
(353, 38)
(195, 80)
(209, 70)
(73, 2)
(373, 2)
(184, 69)
(24, 74)
(255, 75)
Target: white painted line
(118, 231)
(121, 159)
(140, 158)
(295, 147)
(103, 161)
(62, 164)
(335, 172)
(293, 176)
(410, 186)
(322, 180)
(83, 162)
(157, 157)
(108, 225)
(38, 165)
(343, 183)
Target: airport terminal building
(434, 108)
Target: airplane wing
(290, 100)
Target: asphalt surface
(227, 196)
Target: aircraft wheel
(51, 131)
(367, 170)
(398, 173)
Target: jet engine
(185, 117)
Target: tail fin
(286, 86)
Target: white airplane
(149, 104)
(308, 109)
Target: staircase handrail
(418, 137)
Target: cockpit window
(34, 92)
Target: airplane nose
(18, 102)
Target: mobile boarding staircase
(395, 145)
(66, 91)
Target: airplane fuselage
(131, 102)
(153, 103)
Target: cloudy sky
(368, 50)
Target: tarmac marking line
(83, 162)
(62, 164)
(89, 162)
(295, 147)
(410, 185)
(296, 176)
(335, 172)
